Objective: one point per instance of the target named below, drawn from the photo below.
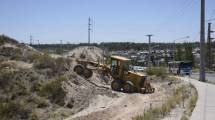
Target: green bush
(57, 65)
(17, 54)
(184, 117)
(61, 64)
(5, 77)
(54, 91)
(33, 57)
(44, 61)
(13, 110)
(6, 39)
(158, 71)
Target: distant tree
(179, 53)
(189, 52)
(165, 56)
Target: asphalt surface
(210, 77)
(205, 107)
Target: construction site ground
(124, 106)
(85, 99)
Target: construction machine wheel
(88, 73)
(128, 87)
(116, 85)
(79, 69)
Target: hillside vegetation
(36, 86)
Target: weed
(44, 61)
(158, 71)
(57, 65)
(82, 56)
(5, 77)
(154, 113)
(184, 117)
(192, 102)
(53, 91)
(12, 110)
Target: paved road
(209, 77)
(205, 108)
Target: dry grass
(184, 117)
(44, 61)
(154, 113)
(53, 91)
(11, 110)
(158, 71)
(191, 104)
(57, 65)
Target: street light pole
(149, 56)
(202, 43)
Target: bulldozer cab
(119, 66)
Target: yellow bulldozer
(123, 78)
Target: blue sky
(113, 20)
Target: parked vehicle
(180, 67)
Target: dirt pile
(11, 49)
(86, 52)
(35, 85)
(81, 92)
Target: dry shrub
(33, 57)
(158, 71)
(44, 61)
(5, 77)
(61, 64)
(82, 56)
(154, 113)
(54, 91)
(57, 65)
(13, 110)
(184, 117)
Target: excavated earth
(115, 105)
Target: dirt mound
(82, 91)
(43, 86)
(86, 52)
(13, 50)
(5, 39)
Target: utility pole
(89, 29)
(202, 43)
(149, 56)
(209, 43)
(61, 47)
(31, 40)
(38, 43)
